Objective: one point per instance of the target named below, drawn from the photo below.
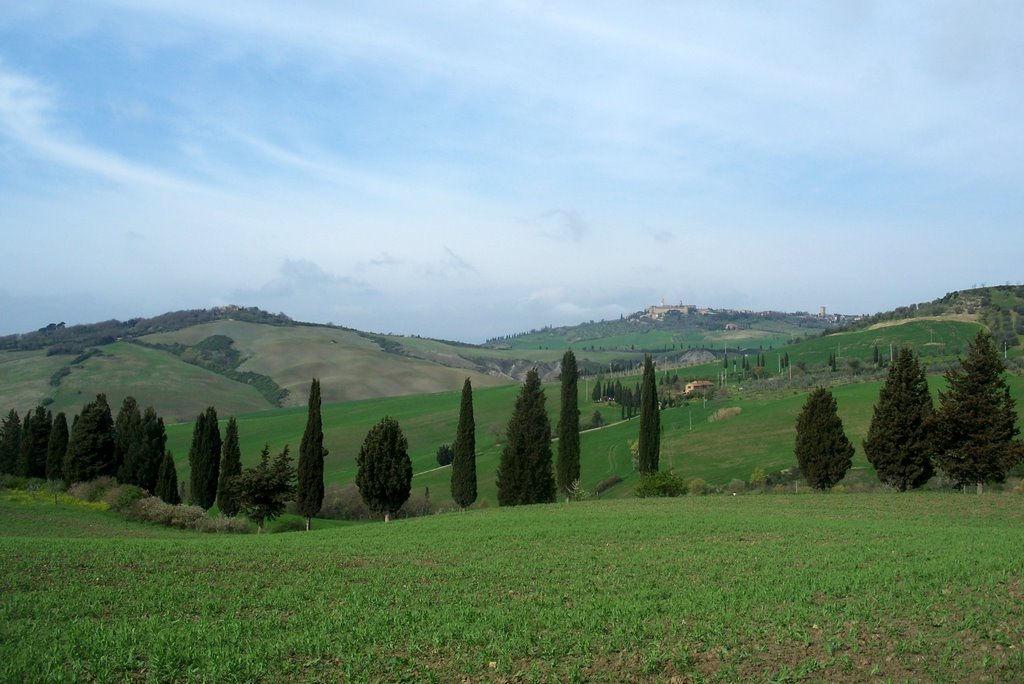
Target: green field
(813, 587)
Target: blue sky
(470, 169)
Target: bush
(155, 510)
(343, 502)
(698, 487)
(415, 506)
(186, 517)
(445, 455)
(661, 483)
(121, 497)
(93, 490)
(226, 525)
(8, 481)
(736, 486)
(606, 484)
(779, 489)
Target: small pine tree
(264, 491)
(823, 451)
(568, 464)
(464, 452)
(230, 467)
(384, 474)
(57, 448)
(91, 445)
(310, 491)
(204, 459)
(524, 473)
(899, 443)
(650, 422)
(167, 481)
(975, 426)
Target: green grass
(750, 588)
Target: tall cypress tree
(384, 474)
(204, 459)
(649, 448)
(167, 481)
(525, 474)
(91, 445)
(899, 443)
(568, 466)
(230, 466)
(35, 437)
(975, 426)
(127, 434)
(822, 450)
(464, 460)
(143, 446)
(10, 442)
(57, 448)
(310, 492)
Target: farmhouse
(698, 386)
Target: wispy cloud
(27, 118)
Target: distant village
(658, 312)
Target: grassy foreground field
(763, 588)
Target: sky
(472, 169)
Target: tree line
(970, 436)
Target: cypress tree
(230, 467)
(10, 442)
(525, 474)
(127, 434)
(649, 446)
(975, 426)
(167, 481)
(899, 441)
(568, 465)
(152, 450)
(204, 459)
(310, 492)
(823, 451)
(384, 474)
(144, 443)
(464, 460)
(91, 445)
(35, 437)
(57, 448)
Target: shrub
(758, 479)
(186, 517)
(698, 487)
(8, 481)
(121, 497)
(222, 524)
(779, 489)
(151, 509)
(661, 483)
(343, 502)
(93, 490)
(736, 486)
(445, 455)
(415, 506)
(606, 484)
